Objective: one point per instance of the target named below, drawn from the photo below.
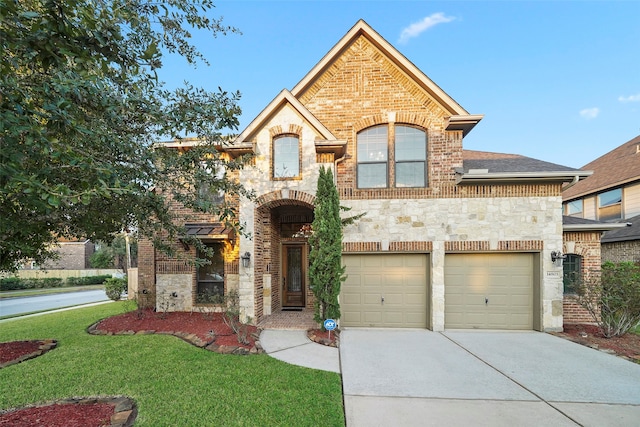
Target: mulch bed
(626, 346)
(77, 412)
(205, 330)
(18, 351)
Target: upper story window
(407, 153)
(286, 157)
(610, 205)
(410, 157)
(373, 155)
(574, 208)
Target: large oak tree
(82, 110)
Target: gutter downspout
(572, 183)
(335, 167)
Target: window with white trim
(286, 157)
(384, 163)
(574, 208)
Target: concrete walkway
(423, 378)
(293, 346)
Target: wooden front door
(293, 275)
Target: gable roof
(617, 167)
(483, 166)
(460, 119)
(326, 143)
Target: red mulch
(198, 324)
(14, 350)
(627, 345)
(69, 415)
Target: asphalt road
(13, 306)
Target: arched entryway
(282, 225)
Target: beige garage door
(489, 291)
(385, 291)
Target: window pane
(372, 175)
(372, 145)
(211, 276)
(610, 198)
(411, 144)
(286, 157)
(571, 273)
(574, 208)
(410, 174)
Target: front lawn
(173, 383)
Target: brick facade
(364, 84)
(586, 245)
(621, 251)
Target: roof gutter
(594, 227)
(480, 176)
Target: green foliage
(81, 111)
(326, 272)
(166, 376)
(115, 287)
(613, 297)
(114, 254)
(88, 280)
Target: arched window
(410, 157)
(572, 273)
(385, 162)
(286, 157)
(373, 155)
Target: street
(12, 306)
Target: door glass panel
(294, 269)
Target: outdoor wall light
(557, 255)
(174, 294)
(246, 259)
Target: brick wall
(587, 245)
(621, 251)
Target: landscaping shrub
(17, 283)
(613, 297)
(115, 287)
(88, 280)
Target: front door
(293, 275)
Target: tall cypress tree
(326, 272)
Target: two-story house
(451, 238)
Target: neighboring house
(611, 194)
(451, 238)
(72, 255)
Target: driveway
(394, 377)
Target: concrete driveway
(394, 377)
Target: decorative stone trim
(125, 409)
(189, 338)
(45, 345)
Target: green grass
(173, 383)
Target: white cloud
(590, 113)
(630, 98)
(417, 28)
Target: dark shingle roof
(631, 232)
(571, 220)
(617, 167)
(502, 162)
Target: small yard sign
(329, 324)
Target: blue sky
(556, 80)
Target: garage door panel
(401, 279)
(505, 280)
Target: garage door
(385, 291)
(489, 291)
